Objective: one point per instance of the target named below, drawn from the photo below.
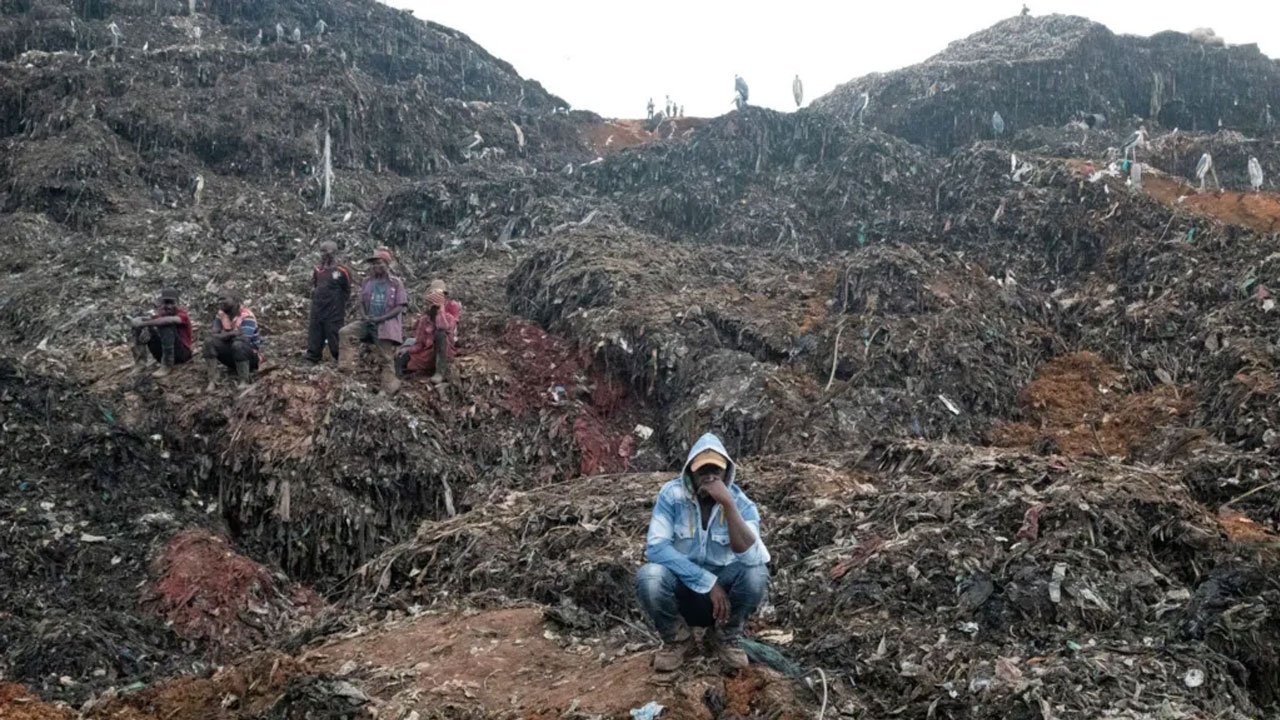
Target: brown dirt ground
(246, 689)
(611, 136)
(511, 660)
(1243, 529)
(16, 703)
(1078, 404)
(1259, 211)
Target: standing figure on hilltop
(740, 92)
(1255, 174)
(649, 110)
(233, 341)
(860, 106)
(1205, 168)
(435, 336)
(707, 565)
(1134, 141)
(382, 303)
(797, 90)
(330, 290)
(166, 335)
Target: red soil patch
(211, 593)
(1076, 404)
(549, 373)
(511, 661)
(16, 703)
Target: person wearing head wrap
(435, 336)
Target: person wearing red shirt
(166, 334)
(435, 336)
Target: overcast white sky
(610, 58)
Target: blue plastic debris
(650, 711)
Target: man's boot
(390, 382)
(348, 352)
(213, 367)
(166, 363)
(727, 650)
(243, 373)
(442, 357)
(672, 654)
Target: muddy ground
(1010, 417)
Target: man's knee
(241, 350)
(210, 348)
(750, 580)
(654, 581)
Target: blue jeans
(665, 599)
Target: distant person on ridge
(382, 303)
(707, 565)
(649, 109)
(330, 289)
(434, 336)
(233, 341)
(166, 335)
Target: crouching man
(166, 335)
(707, 566)
(233, 341)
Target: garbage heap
(1048, 70)
(923, 577)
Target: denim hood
(709, 441)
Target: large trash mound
(1010, 412)
(771, 180)
(1006, 581)
(84, 497)
(1047, 70)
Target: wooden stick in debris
(448, 497)
(1254, 491)
(835, 356)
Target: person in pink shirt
(382, 303)
(435, 336)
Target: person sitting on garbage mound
(707, 565)
(382, 301)
(166, 334)
(233, 341)
(434, 336)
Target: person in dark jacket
(330, 289)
